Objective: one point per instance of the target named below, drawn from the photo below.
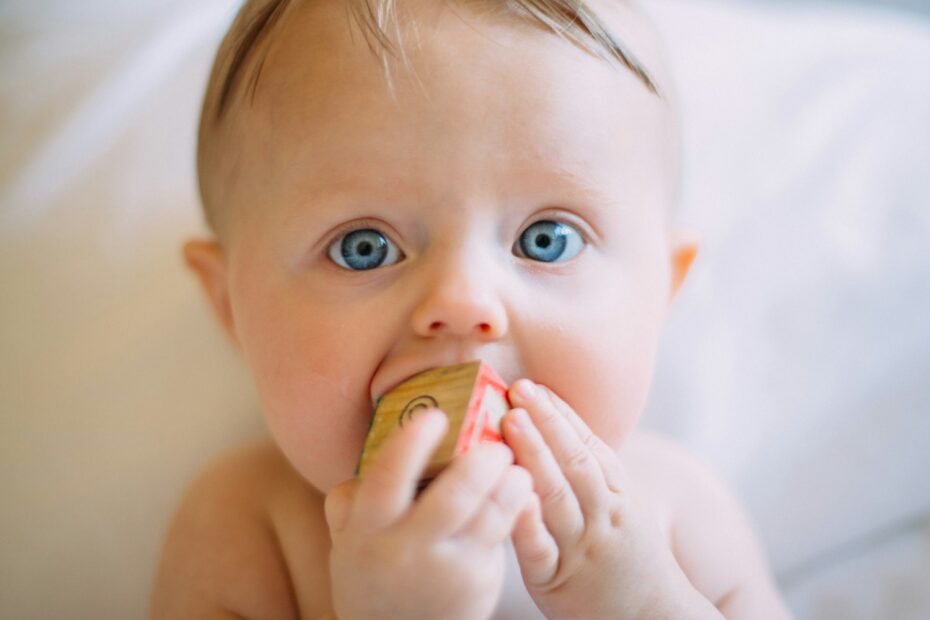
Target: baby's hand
(589, 548)
(441, 556)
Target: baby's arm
(712, 538)
(221, 557)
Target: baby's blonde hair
(572, 20)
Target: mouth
(392, 373)
(402, 375)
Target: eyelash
(579, 241)
(359, 226)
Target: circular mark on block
(418, 404)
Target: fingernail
(434, 418)
(526, 389)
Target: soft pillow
(797, 360)
(115, 384)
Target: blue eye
(548, 242)
(364, 249)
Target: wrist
(684, 605)
(680, 601)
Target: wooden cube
(472, 395)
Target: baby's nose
(461, 307)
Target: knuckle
(605, 522)
(537, 446)
(577, 458)
(495, 520)
(489, 460)
(513, 492)
(379, 549)
(344, 492)
(386, 472)
(589, 439)
(522, 476)
(498, 508)
(466, 485)
(555, 493)
(553, 398)
(501, 453)
(548, 413)
(615, 519)
(539, 554)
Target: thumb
(536, 549)
(338, 505)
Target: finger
(388, 486)
(561, 510)
(338, 504)
(576, 461)
(611, 465)
(495, 520)
(458, 493)
(536, 550)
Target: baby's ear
(684, 249)
(206, 259)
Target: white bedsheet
(797, 360)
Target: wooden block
(472, 395)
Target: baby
(402, 186)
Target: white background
(796, 362)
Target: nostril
(435, 325)
(485, 328)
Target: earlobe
(684, 250)
(206, 259)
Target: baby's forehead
(614, 30)
(275, 47)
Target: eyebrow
(264, 20)
(398, 185)
(551, 173)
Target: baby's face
(510, 207)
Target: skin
(503, 126)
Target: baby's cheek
(619, 404)
(314, 397)
(603, 373)
(319, 431)
(609, 397)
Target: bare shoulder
(247, 530)
(709, 532)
